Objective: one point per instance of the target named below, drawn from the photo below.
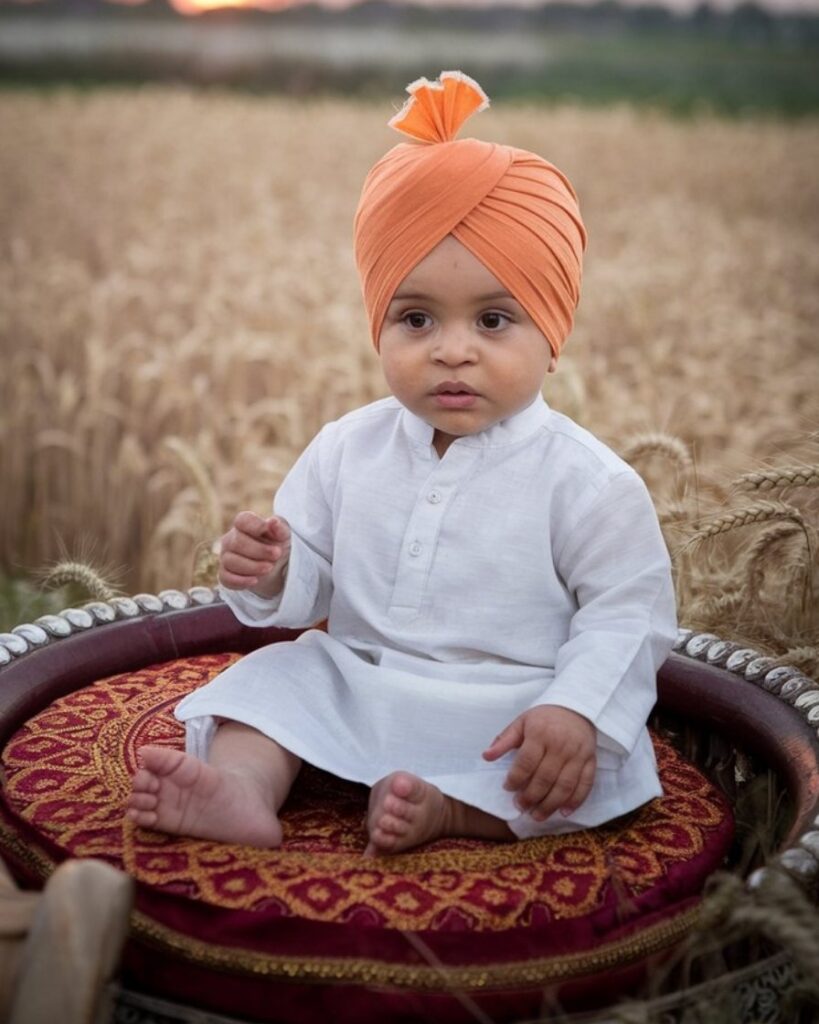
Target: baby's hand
(554, 768)
(254, 554)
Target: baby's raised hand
(254, 554)
(555, 765)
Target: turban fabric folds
(513, 210)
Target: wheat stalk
(782, 476)
(210, 503)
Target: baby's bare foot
(405, 811)
(178, 793)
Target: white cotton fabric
(525, 567)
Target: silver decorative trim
(739, 659)
(807, 699)
(79, 618)
(795, 687)
(757, 667)
(47, 629)
(55, 625)
(810, 842)
(757, 878)
(125, 607)
(774, 680)
(800, 862)
(682, 638)
(34, 635)
(718, 653)
(15, 643)
(100, 611)
(699, 643)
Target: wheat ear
(758, 512)
(781, 476)
(668, 445)
(754, 567)
(206, 564)
(67, 572)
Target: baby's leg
(406, 811)
(234, 796)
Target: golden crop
(179, 314)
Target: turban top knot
(514, 211)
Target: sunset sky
(197, 6)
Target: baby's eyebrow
(421, 297)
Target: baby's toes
(143, 818)
(145, 782)
(384, 841)
(398, 807)
(407, 787)
(392, 825)
(141, 801)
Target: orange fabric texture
(515, 212)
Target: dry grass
(179, 314)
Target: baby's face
(457, 349)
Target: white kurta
(525, 567)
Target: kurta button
(415, 549)
(434, 497)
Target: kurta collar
(507, 431)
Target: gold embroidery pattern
(68, 774)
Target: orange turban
(513, 210)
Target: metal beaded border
(785, 682)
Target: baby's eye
(493, 320)
(415, 320)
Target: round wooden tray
(727, 707)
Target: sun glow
(199, 6)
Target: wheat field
(180, 313)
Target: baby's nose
(454, 347)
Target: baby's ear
(552, 364)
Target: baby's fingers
(583, 788)
(243, 569)
(545, 796)
(568, 791)
(529, 760)
(251, 524)
(506, 740)
(277, 529)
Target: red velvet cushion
(272, 934)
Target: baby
(487, 568)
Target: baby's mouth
(455, 395)
(454, 387)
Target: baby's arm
(555, 765)
(254, 554)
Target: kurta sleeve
(616, 565)
(305, 599)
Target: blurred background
(683, 53)
(180, 312)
